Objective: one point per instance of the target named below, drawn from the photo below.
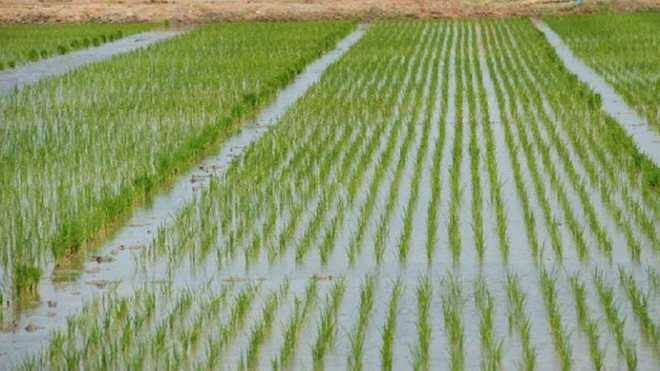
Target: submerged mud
(115, 267)
(646, 139)
(34, 72)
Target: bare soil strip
(31, 11)
(32, 73)
(646, 139)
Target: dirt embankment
(15, 11)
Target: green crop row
(624, 49)
(28, 43)
(79, 151)
(448, 195)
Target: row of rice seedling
(532, 139)
(73, 163)
(328, 202)
(358, 334)
(553, 101)
(28, 43)
(307, 182)
(572, 170)
(587, 323)
(569, 176)
(519, 320)
(233, 324)
(623, 48)
(325, 329)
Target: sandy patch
(210, 10)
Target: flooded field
(427, 195)
(625, 50)
(79, 151)
(28, 43)
(30, 74)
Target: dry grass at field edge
(54, 11)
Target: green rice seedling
(321, 211)
(457, 155)
(432, 213)
(452, 310)
(640, 304)
(601, 235)
(587, 324)
(494, 183)
(237, 317)
(327, 325)
(473, 150)
(653, 279)
(616, 324)
(576, 230)
(533, 167)
(368, 207)
(429, 94)
(115, 171)
(113, 331)
(340, 167)
(328, 242)
(438, 85)
(33, 55)
(23, 43)
(389, 329)
(382, 235)
(602, 39)
(26, 278)
(574, 227)
(261, 331)
(529, 352)
(530, 223)
(491, 348)
(62, 49)
(560, 337)
(393, 194)
(296, 323)
(422, 351)
(610, 135)
(358, 334)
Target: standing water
(31, 73)
(646, 139)
(115, 265)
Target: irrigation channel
(114, 265)
(647, 139)
(34, 72)
(446, 196)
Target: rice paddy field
(24, 43)
(73, 163)
(624, 49)
(446, 196)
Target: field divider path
(32, 73)
(115, 264)
(613, 104)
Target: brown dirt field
(41, 11)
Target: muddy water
(122, 273)
(61, 64)
(646, 139)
